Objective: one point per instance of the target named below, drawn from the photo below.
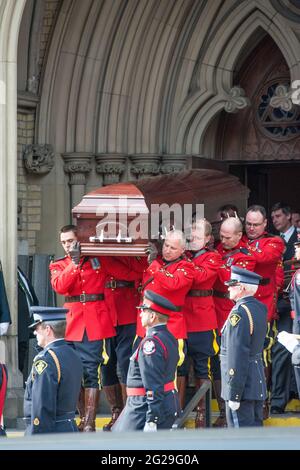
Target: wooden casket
(118, 219)
(111, 221)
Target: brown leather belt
(84, 298)
(114, 283)
(264, 281)
(221, 295)
(200, 293)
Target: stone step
(290, 418)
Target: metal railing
(205, 389)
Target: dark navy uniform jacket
(295, 300)
(52, 389)
(151, 376)
(241, 352)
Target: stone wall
(29, 185)
(29, 194)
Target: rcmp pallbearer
(199, 310)
(81, 279)
(243, 335)
(171, 275)
(53, 385)
(152, 400)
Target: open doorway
(270, 182)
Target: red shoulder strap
(162, 345)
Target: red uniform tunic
(267, 251)
(199, 312)
(172, 280)
(122, 301)
(234, 257)
(70, 280)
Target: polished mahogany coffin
(112, 220)
(120, 219)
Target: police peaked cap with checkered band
(47, 315)
(243, 276)
(159, 304)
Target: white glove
(234, 405)
(150, 427)
(3, 328)
(288, 340)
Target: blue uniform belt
(255, 357)
(59, 419)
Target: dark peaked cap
(47, 314)
(243, 276)
(158, 303)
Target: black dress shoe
(276, 410)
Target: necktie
(282, 236)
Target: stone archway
(10, 17)
(262, 145)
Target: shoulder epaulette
(57, 364)
(250, 318)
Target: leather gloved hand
(3, 328)
(152, 252)
(75, 253)
(234, 405)
(150, 427)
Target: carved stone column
(111, 166)
(78, 166)
(10, 19)
(173, 164)
(145, 165)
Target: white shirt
(287, 235)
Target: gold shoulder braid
(249, 317)
(55, 359)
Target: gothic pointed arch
(270, 129)
(214, 77)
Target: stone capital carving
(172, 164)
(111, 166)
(236, 100)
(38, 158)
(282, 98)
(77, 165)
(145, 165)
